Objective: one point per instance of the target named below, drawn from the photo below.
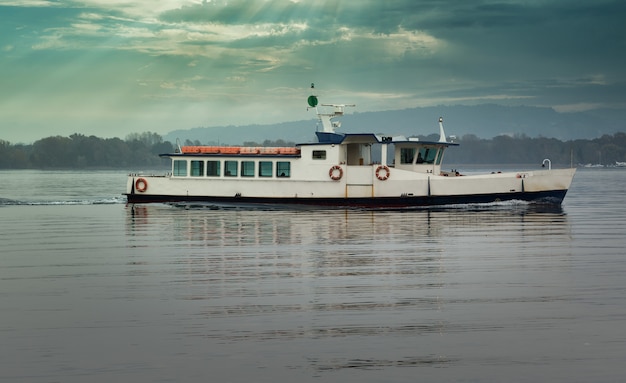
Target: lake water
(93, 290)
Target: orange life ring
(387, 172)
(332, 174)
(141, 185)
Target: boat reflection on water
(341, 242)
(232, 226)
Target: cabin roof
(324, 139)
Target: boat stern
(147, 188)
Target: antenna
(328, 125)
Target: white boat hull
(357, 189)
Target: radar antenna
(328, 125)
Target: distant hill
(484, 121)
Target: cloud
(29, 3)
(134, 57)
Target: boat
(620, 164)
(339, 170)
(590, 165)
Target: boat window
(439, 156)
(283, 169)
(265, 168)
(406, 155)
(426, 156)
(230, 168)
(180, 168)
(247, 168)
(319, 154)
(213, 168)
(197, 168)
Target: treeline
(138, 150)
(521, 149)
(79, 152)
(141, 150)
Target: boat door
(359, 173)
(359, 181)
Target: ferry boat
(340, 170)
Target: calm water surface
(93, 290)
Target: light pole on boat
(543, 164)
(442, 134)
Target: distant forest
(141, 150)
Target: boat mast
(328, 125)
(442, 134)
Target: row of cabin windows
(231, 168)
(424, 156)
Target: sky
(113, 67)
